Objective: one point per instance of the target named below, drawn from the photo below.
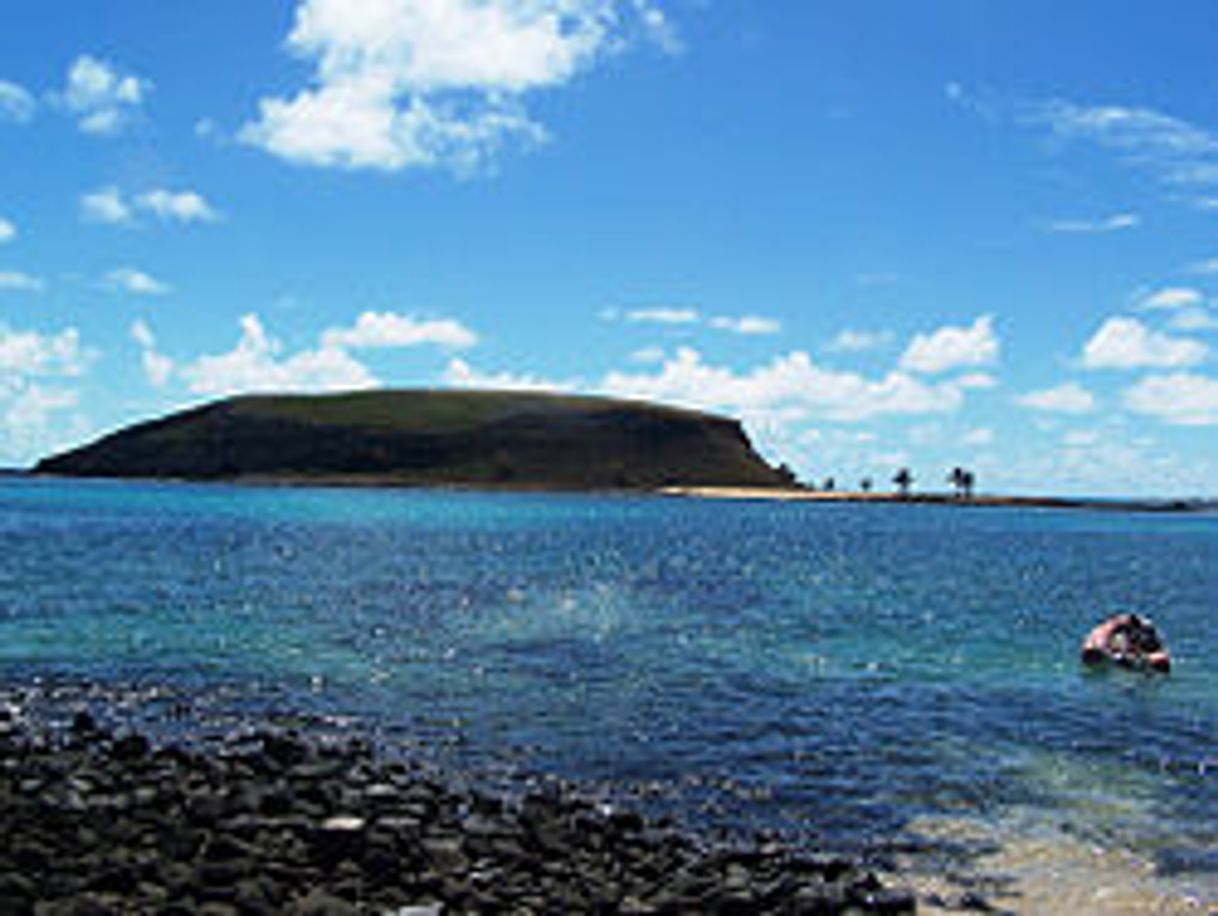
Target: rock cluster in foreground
(99, 824)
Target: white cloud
(13, 280)
(1172, 149)
(788, 382)
(32, 420)
(1186, 305)
(1126, 343)
(33, 366)
(978, 438)
(663, 315)
(109, 205)
(1180, 398)
(387, 329)
(1136, 130)
(177, 206)
(852, 341)
(1172, 297)
(255, 364)
(130, 280)
(952, 347)
(158, 368)
(33, 354)
(1101, 226)
(105, 205)
(460, 374)
(1207, 266)
(434, 83)
(8, 231)
(16, 104)
(103, 100)
(1068, 398)
(746, 325)
(1194, 319)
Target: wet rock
(84, 725)
(278, 825)
(320, 903)
(130, 748)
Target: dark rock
(320, 903)
(284, 750)
(83, 724)
(17, 893)
(130, 748)
(224, 848)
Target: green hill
(473, 438)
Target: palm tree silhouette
(904, 480)
(963, 481)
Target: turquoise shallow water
(842, 672)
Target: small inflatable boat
(1126, 640)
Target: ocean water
(894, 680)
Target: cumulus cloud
(1101, 226)
(791, 382)
(177, 206)
(109, 205)
(460, 374)
(1126, 343)
(256, 363)
(434, 83)
(36, 355)
(1180, 398)
(16, 281)
(1068, 398)
(33, 421)
(8, 231)
(953, 347)
(158, 368)
(102, 99)
(106, 205)
(16, 104)
(387, 329)
(33, 369)
(130, 280)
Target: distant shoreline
(941, 499)
(724, 493)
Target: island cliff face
(437, 438)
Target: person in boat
(1127, 640)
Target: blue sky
(925, 234)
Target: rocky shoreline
(96, 822)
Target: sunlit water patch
(900, 680)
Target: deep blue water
(841, 671)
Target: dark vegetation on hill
(471, 438)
